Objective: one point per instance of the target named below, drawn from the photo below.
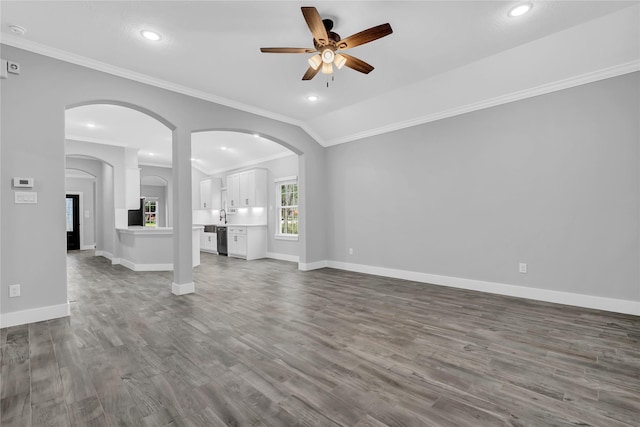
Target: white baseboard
(559, 297)
(283, 257)
(187, 288)
(39, 314)
(107, 255)
(144, 267)
(308, 266)
(87, 247)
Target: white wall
(551, 181)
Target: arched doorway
(224, 159)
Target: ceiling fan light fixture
(315, 61)
(327, 68)
(339, 61)
(327, 56)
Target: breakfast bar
(151, 248)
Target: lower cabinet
(247, 242)
(209, 242)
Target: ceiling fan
(327, 44)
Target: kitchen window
(287, 201)
(150, 212)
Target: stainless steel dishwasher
(222, 240)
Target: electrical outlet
(350, 251)
(14, 291)
(522, 268)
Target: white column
(182, 214)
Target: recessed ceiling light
(257, 135)
(150, 35)
(223, 148)
(312, 98)
(91, 125)
(16, 29)
(152, 154)
(193, 159)
(520, 10)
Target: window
(150, 212)
(287, 200)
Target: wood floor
(261, 343)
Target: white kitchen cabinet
(247, 189)
(233, 190)
(209, 242)
(249, 242)
(210, 192)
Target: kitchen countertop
(238, 225)
(138, 229)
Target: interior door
(73, 221)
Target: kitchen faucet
(223, 216)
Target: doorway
(73, 221)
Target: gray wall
(552, 181)
(85, 186)
(40, 94)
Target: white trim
(87, 247)
(308, 266)
(145, 267)
(559, 297)
(62, 55)
(39, 314)
(105, 254)
(286, 178)
(606, 73)
(290, 237)
(283, 257)
(186, 288)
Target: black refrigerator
(136, 216)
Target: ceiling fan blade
(314, 21)
(366, 36)
(311, 73)
(357, 64)
(286, 50)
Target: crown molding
(546, 88)
(62, 55)
(605, 73)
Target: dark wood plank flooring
(261, 343)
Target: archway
(221, 158)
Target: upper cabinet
(210, 193)
(247, 189)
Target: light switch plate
(14, 291)
(26, 197)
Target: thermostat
(23, 182)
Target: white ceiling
(210, 49)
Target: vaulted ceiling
(443, 58)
